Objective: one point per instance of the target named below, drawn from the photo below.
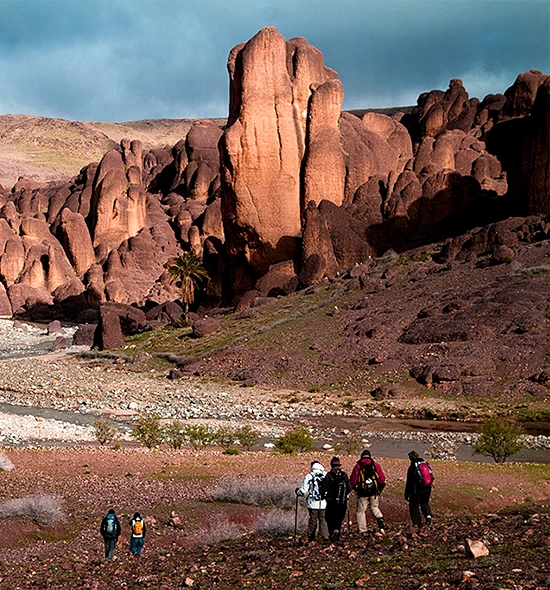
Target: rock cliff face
(291, 191)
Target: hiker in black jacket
(335, 488)
(417, 493)
(110, 531)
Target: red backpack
(424, 474)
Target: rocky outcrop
(264, 143)
(118, 204)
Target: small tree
(247, 436)
(498, 439)
(197, 435)
(225, 436)
(147, 431)
(174, 434)
(188, 269)
(104, 431)
(296, 440)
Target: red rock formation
(263, 145)
(118, 206)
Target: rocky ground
(194, 542)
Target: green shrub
(224, 436)
(296, 440)
(104, 431)
(498, 439)
(197, 435)
(247, 436)
(147, 431)
(174, 434)
(231, 451)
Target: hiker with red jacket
(138, 534)
(335, 489)
(368, 481)
(418, 489)
(110, 531)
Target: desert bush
(147, 431)
(296, 440)
(498, 439)
(5, 463)
(198, 435)
(220, 530)
(278, 522)
(42, 509)
(350, 444)
(225, 436)
(174, 434)
(104, 431)
(257, 491)
(247, 436)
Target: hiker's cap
(335, 462)
(137, 515)
(365, 453)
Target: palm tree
(188, 269)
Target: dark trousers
(136, 545)
(420, 502)
(110, 546)
(335, 515)
(316, 517)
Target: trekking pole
(296, 520)
(349, 523)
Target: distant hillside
(54, 149)
(48, 149)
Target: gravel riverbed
(119, 390)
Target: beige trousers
(362, 503)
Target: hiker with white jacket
(316, 505)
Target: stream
(395, 438)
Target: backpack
(137, 528)
(339, 488)
(110, 525)
(367, 480)
(315, 486)
(424, 474)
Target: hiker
(138, 534)
(418, 489)
(316, 505)
(110, 531)
(368, 481)
(335, 487)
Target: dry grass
(256, 491)
(42, 509)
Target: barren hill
(47, 149)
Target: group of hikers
(110, 531)
(327, 494)
(327, 500)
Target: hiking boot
(335, 537)
(428, 520)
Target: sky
(126, 60)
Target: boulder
(476, 548)
(55, 328)
(108, 334)
(203, 327)
(281, 279)
(84, 335)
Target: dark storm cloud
(118, 60)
